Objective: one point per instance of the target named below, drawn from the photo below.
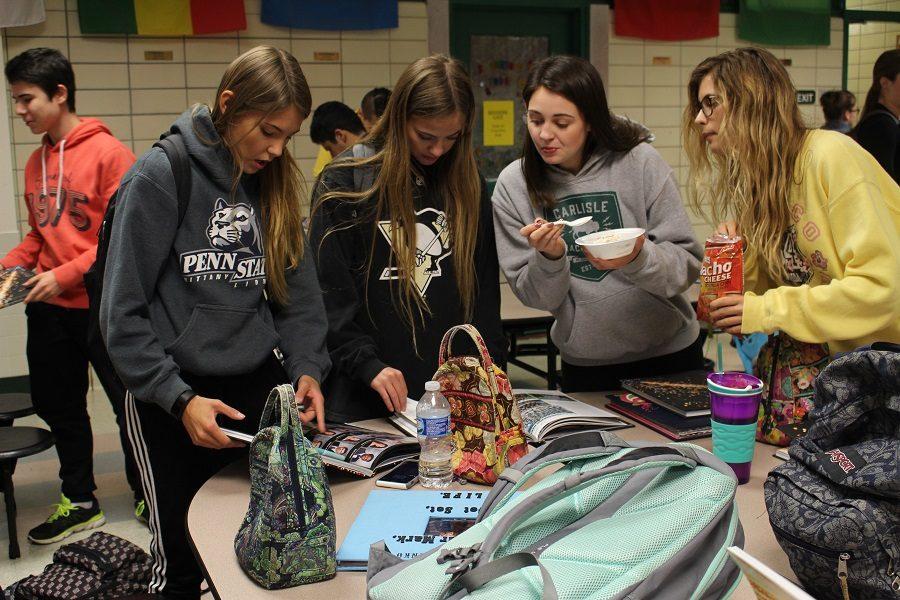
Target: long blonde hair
(265, 80)
(761, 135)
(434, 86)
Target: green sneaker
(66, 520)
(140, 512)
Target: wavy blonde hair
(265, 80)
(433, 86)
(761, 134)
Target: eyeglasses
(709, 103)
(854, 110)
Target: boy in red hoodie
(68, 183)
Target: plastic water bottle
(433, 424)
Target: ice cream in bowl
(610, 243)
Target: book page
(766, 583)
(543, 409)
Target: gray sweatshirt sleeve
(302, 324)
(536, 280)
(670, 260)
(142, 235)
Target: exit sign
(806, 96)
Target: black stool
(14, 406)
(16, 443)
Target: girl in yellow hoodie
(819, 216)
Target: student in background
(819, 217)
(839, 108)
(372, 106)
(878, 130)
(614, 319)
(193, 312)
(68, 183)
(404, 243)
(335, 127)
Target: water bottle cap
(432, 386)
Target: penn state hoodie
(191, 297)
(605, 317)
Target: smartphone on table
(402, 477)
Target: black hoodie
(365, 331)
(192, 297)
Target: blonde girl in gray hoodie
(627, 317)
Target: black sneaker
(66, 520)
(140, 512)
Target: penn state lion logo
(234, 228)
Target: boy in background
(839, 108)
(68, 183)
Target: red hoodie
(64, 218)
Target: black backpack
(98, 567)
(173, 146)
(835, 506)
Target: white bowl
(611, 243)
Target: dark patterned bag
(484, 416)
(288, 535)
(835, 506)
(99, 566)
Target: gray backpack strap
(484, 574)
(582, 444)
(363, 177)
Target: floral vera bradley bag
(788, 368)
(484, 416)
(287, 537)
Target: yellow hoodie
(846, 221)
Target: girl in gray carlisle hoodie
(615, 319)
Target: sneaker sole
(92, 523)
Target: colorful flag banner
(17, 13)
(161, 17)
(331, 14)
(785, 22)
(667, 20)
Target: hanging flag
(17, 13)
(331, 14)
(161, 17)
(667, 20)
(785, 22)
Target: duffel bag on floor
(617, 520)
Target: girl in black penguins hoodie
(403, 235)
(191, 313)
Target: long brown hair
(887, 65)
(761, 134)
(576, 80)
(434, 86)
(265, 80)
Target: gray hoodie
(192, 297)
(605, 317)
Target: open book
(545, 414)
(12, 288)
(362, 451)
(684, 393)
(767, 584)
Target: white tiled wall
(139, 99)
(867, 41)
(656, 94)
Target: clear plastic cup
(734, 404)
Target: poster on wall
(499, 68)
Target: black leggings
(609, 377)
(173, 469)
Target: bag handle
(773, 369)
(281, 396)
(486, 573)
(446, 343)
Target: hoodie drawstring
(59, 175)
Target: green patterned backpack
(288, 535)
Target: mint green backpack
(618, 520)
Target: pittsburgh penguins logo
(432, 237)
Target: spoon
(576, 223)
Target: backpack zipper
(292, 461)
(842, 574)
(895, 582)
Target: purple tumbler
(734, 403)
